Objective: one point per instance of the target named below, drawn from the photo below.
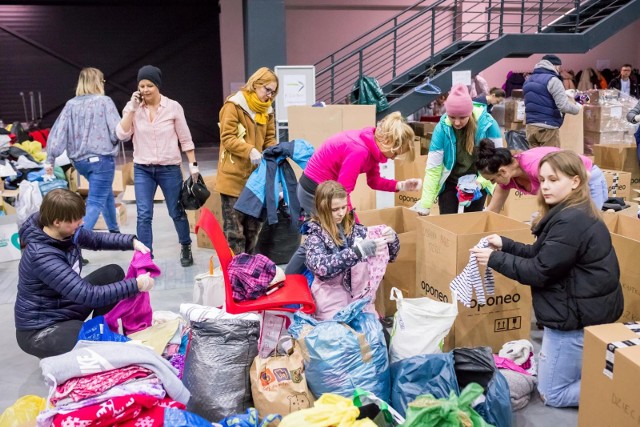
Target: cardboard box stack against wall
(609, 386)
(514, 118)
(619, 157)
(442, 251)
(606, 119)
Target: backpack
(250, 276)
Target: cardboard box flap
(623, 225)
(476, 223)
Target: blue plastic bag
(424, 374)
(249, 419)
(345, 353)
(96, 329)
(174, 417)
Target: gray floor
(21, 374)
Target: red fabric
(119, 411)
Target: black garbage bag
(476, 365)
(279, 241)
(517, 140)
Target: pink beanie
(459, 103)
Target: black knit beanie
(151, 73)
(553, 59)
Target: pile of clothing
(516, 363)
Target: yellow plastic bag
(329, 410)
(23, 413)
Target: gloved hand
(136, 100)
(139, 246)
(255, 156)
(418, 208)
(145, 282)
(368, 248)
(193, 170)
(389, 235)
(637, 118)
(413, 184)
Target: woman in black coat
(572, 269)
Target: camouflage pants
(240, 230)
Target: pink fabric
(504, 363)
(345, 156)
(158, 142)
(459, 103)
(79, 388)
(331, 296)
(135, 312)
(530, 161)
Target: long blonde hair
(394, 134)
(469, 134)
(262, 77)
(90, 82)
(325, 193)
(570, 164)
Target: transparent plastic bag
(23, 413)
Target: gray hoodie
(557, 91)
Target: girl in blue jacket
(453, 152)
(53, 301)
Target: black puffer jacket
(572, 269)
(50, 289)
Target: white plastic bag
(419, 325)
(208, 288)
(29, 200)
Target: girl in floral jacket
(340, 255)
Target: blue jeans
(99, 173)
(146, 179)
(637, 137)
(598, 187)
(560, 366)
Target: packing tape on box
(614, 187)
(613, 346)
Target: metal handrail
(421, 32)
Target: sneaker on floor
(186, 259)
(84, 261)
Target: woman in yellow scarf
(247, 127)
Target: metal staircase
(431, 39)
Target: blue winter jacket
(539, 105)
(50, 289)
(260, 196)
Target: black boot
(186, 259)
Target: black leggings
(448, 200)
(61, 337)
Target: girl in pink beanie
(453, 152)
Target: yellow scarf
(259, 107)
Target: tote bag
(208, 288)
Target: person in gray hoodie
(633, 116)
(546, 103)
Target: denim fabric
(146, 179)
(598, 187)
(100, 176)
(637, 137)
(559, 367)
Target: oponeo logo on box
(635, 180)
(404, 198)
(434, 292)
(496, 300)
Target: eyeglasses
(269, 91)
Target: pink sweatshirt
(530, 161)
(345, 156)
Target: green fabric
(465, 163)
(367, 91)
(59, 173)
(455, 411)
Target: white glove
(193, 169)
(139, 246)
(637, 118)
(136, 100)
(421, 211)
(255, 156)
(413, 184)
(145, 282)
(388, 235)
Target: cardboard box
(625, 236)
(400, 273)
(603, 118)
(83, 184)
(621, 157)
(572, 132)
(410, 168)
(624, 183)
(442, 252)
(121, 212)
(9, 239)
(214, 204)
(513, 111)
(605, 401)
(317, 124)
(519, 206)
(127, 173)
(593, 138)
